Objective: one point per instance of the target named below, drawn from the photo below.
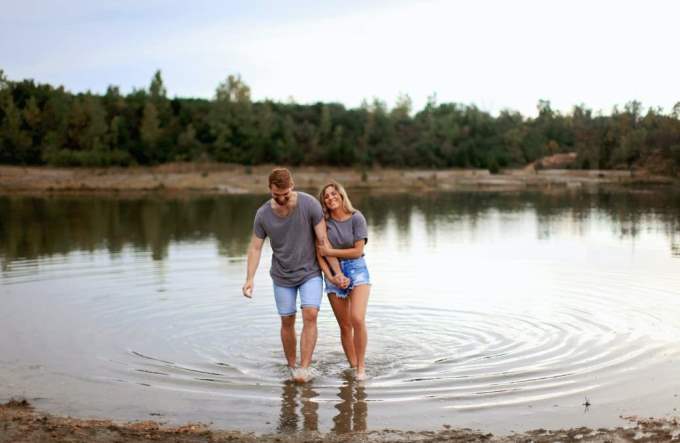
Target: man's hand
(248, 289)
(254, 252)
(340, 281)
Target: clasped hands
(339, 280)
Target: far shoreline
(217, 178)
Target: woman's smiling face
(332, 198)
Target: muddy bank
(20, 422)
(235, 179)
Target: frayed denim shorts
(356, 270)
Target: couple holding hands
(308, 237)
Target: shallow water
(498, 311)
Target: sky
(495, 54)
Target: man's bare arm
(254, 254)
(325, 268)
(334, 273)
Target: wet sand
(237, 179)
(20, 422)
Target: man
(292, 221)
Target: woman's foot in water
(360, 374)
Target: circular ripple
(212, 340)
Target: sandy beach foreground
(19, 422)
(236, 179)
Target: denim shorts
(310, 296)
(356, 270)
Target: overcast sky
(493, 53)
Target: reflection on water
(353, 409)
(300, 408)
(297, 398)
(489, 310)
(36, 227)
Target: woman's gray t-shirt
(292, 240)
(343, 234)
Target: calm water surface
(493, 311)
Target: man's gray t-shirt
(343, 234)
(292, 240)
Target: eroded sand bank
(235, 179)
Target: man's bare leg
(288, 339)
(308, 336)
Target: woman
(347, 235)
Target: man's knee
(310, 314)
(288, 322)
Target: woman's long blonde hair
(346, 203)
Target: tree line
(44, 124)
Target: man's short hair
(281, 178)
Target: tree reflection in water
(35, 227)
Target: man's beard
(282, 201)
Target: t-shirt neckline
(342, 221)
(297, 204)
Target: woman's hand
(324, 250)
(343, 282)
(340, 281)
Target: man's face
(281, 195)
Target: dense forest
(43, 124)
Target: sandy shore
(235, 179)
(19, 422)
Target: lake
(496, 311)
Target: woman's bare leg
(358, 304)
(341, 309)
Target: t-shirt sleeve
(359, 227)
(258, 226)
(315, 211)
